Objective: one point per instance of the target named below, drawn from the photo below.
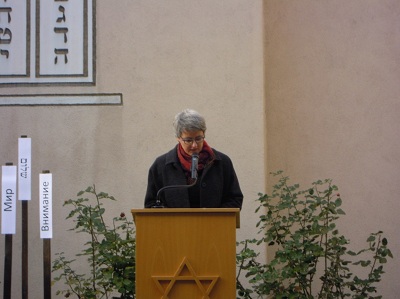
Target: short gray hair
(187, 121)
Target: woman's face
(192, 141)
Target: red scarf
(206, 156)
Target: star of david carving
(185, 272)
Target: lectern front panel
(185, 253)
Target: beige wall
(163, 56)
(331, 90)
(333, 111)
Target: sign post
(24, 195)
(46, 226)
(8, 219)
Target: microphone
(194, 166)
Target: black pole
(47, 268)
(24, 249)
(8, 266)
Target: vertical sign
(8, 199)
(46, 209)
(24, 168)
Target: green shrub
(311, 258)
(109, 251)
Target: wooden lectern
(186, 253)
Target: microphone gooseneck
(193, 173)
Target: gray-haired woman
(216, 184)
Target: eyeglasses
(189, 141)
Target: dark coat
(219, 186)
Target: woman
(216, 186)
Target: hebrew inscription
(46, 41)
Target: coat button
(203, 185)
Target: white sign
(24, 168)
(46, 205)
(8, 199)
